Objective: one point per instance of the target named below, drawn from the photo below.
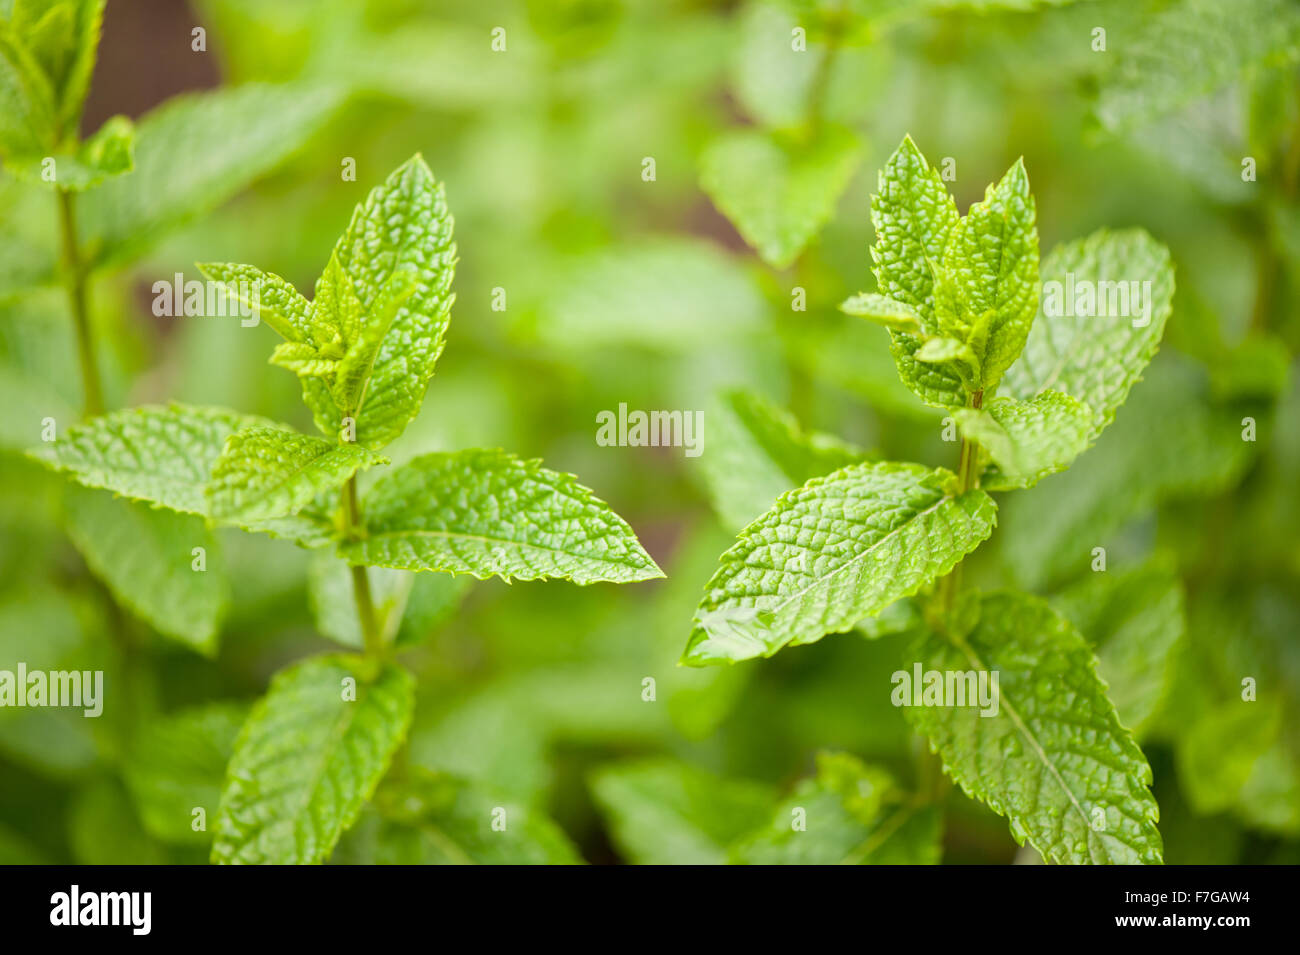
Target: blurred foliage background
(620, 289)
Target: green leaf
(409, 605)
(276, 301)
(1054, 759)
(158, 454)
(1136, 621)
(176, 764)
(914, 215)
(1192, 48)
(76, 80)
(838, 549)
(110, 152)
(103, 828)
(1096, 352)
(1027, 440)
(486, 512)
(896, 316)
(397, 257)
(987, 297)
(147, 558)
(28, 113)
(1218, 754)
(311, 753)
(665, 812)
(850, 814)
(436, 819)
(268, 473)
(778, 189)
(192, 154)
(757, 452)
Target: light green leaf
(1096, 351)
(1136, 620)
(397, 253)
(1218, 754)
(853, 814)
(1055, 759)
(192, 154)
(1192, 48)
(987, 297)
(779, 189)
(943, 350)
(757, 452)
(897, 316)
(665, 812)
(914, 215)
(76, 80)
(1027, 440)
(409, 605)
(436, 819)
(486, 512)
(311, 753)
(840, 548)
(147, 557)
(276, 301)
(110, 152)
(158, 454)
(176, 764)
(28, 113)
(268, 473)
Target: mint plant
(879, 546)
(315, 748)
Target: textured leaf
(1094, 357)
(486, 512)
(779, 190)
(1192, 48)
(990, 276)
(409, 605)
(278, 303)
(193, 153)
(176, 765)
(401, 233)
(1055, 752)
(146, 557)
(1136, 621)
(436, 819)
(757, 452)
(840, 548)
(308, 758)
(914, 215)
(268, 473)
(664, 812)
(852, 814)
(1027, 440)
(162, 455)
(898, 316)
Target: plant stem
(370, 635)
(968, 478)
(76, 281)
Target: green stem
(968, 478)
(75, 270)
(821, 81)
(370, 635)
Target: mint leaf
(757, 452)
(838, 549)
(1097, 352)
(109, 152)
(665, 812)
(267, 473)
(1055, 759)
(397, 257)
(851, 814)
(1027, 440)
(409, 605)
(192, 154)
(28, 113)
(987, 296)
(158, 454)
(311, 753)
(437, 819)
(278, 303)
(146, 557)
(486, 512)
(779, 189)
(896, 316)
(176, 764)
